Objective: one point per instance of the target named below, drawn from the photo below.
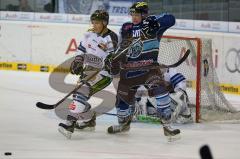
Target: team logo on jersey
(135, 50)
(136, 33)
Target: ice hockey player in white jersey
(179, 99)
(96, 44)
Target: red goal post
(204, 93)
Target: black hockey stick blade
(185, 56)
(45, 106)
(48, 106)
(112, 114)
(205, 152)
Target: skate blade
(65, 133)
(173, 138)
(87, 129)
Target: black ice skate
(171, 134)
(68, 128)
(87, 125)
(124, 127)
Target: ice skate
(124, 127)
(171, 134)
(86, 125)
(68, 128)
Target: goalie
(92, 51)
(179, 99)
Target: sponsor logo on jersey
(93, 60)
(72, 106)
(103, 46)
(141, 63)
(136, 73)
(90, 46)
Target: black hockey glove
(150, 26)
(108, 62)
(111, 66)
(77, 65)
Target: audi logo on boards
(232, 60)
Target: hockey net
(203, 87)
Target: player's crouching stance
(92, 51)
(179, 100)
(139, 66)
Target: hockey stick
(112, 114)
(52, 106)
(179, 62)
(141, 118)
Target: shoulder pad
(90, 30)
(89, 34)
(127, 26)
(150, 18)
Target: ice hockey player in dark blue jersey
(138, 66)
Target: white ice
(31, 133)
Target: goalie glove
(77, 65)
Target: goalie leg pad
(151, 110)
(180, 104)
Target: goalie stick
(179, 62)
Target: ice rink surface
(30, 133)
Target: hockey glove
(110, 66)
(108, 62)
(77, 65)
(150, 26)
